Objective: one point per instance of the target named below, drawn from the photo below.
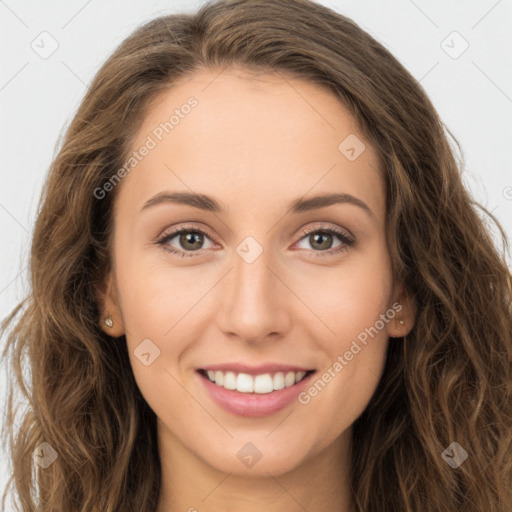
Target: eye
(191, 239)
(321, 237)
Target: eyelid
(342, 232)
(171, 232)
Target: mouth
(254, 396)
(261, 384)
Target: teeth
(299, 376)
(278, 381)
(263, 383)
(289, 379)
(245, 383)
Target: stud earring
(108, 321)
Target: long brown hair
(449, 380)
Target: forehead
(252, 137)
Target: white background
(38, 97)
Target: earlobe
(110, 320)
(403, 322)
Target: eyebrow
(208, 203)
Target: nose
(254, 301)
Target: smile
(253, 396)
(262, 384)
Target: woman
(191, 347)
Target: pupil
(325, 235)
(186, 238)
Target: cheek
(356, 309)
(154, 297)
(351, 297)
(158, 335)
(341, 392)
(152, 306)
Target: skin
(255, 143)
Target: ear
(405, 310)
(108, 305)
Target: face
(256, 284)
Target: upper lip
(255, 370)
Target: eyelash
(347, 241)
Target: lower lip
(254, 405)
